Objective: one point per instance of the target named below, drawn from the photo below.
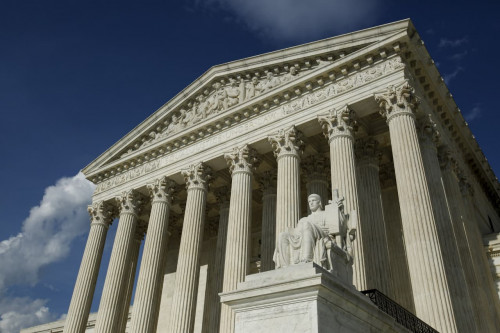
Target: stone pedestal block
(304, 298)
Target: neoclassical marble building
(208, 181)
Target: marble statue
(324, 237)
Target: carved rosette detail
(242, 159)
(101, 213)
(197, 176)
(287, 142)
(367, 151)
(130, 202)
(397, 100)
(162, 189)
(428, 132)
(338, 123)
(268, 182)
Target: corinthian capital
(287, 142)
(267, 182)
(197, 176)
(396, 100)
(427, 131)
(242, 159)
(367, 151)
(101, 213)
(162, 190)
(130, 202)
(315, 167)
(338, 123)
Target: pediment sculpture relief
(224, 95)
(324, 237)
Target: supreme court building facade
(209, 181)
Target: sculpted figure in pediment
(233, 93)
(218, 100)
(201, 107)
(270, 82)
(253, 88)
(324, 237)
(291, 75)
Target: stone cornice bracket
(130, 202)
(101, 213)
(287, 142)
(242, 159)
(367, 151)
(428, 132)
(397, 100)
(338, 123)
(197, 176)
(161, 190)
(268, 182)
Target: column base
(303, 298)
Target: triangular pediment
(239, 83)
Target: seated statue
(324, 237)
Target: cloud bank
(297, 20)
(45, 238)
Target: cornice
(440, 100)
(336, 49)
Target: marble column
(449, 170)
(425, 262)
(378, 270)
(462, 305)
(188, 264)
(480, 261)
(101, 215)
(242, 162)
(288, 147)
(147, 296)
(268, 185)
(216, 272)
(315, 172)
(115, 286)
(395, 240)
(134, 258)
(339, 127)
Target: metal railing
(399, 313)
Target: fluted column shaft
(374, 237)
(117, 278)
(288, 146)
(149, 283)
(134, 258)
(480, 261)
(242, 162)
(425, 262)
(339, 129)
(216, 274)
(396, 246)
(188, 265)
(453, 200)
(79, 308)
(462, 305)
(268, 185)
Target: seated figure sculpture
(324, 237)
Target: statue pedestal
(304, 298)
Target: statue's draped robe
(304, 243)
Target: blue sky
(76, 76)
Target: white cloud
(298, 20)
(452, 75)
(21, 312)
(458, 56)
(444, 42)
(473, 114)
(45, 238)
